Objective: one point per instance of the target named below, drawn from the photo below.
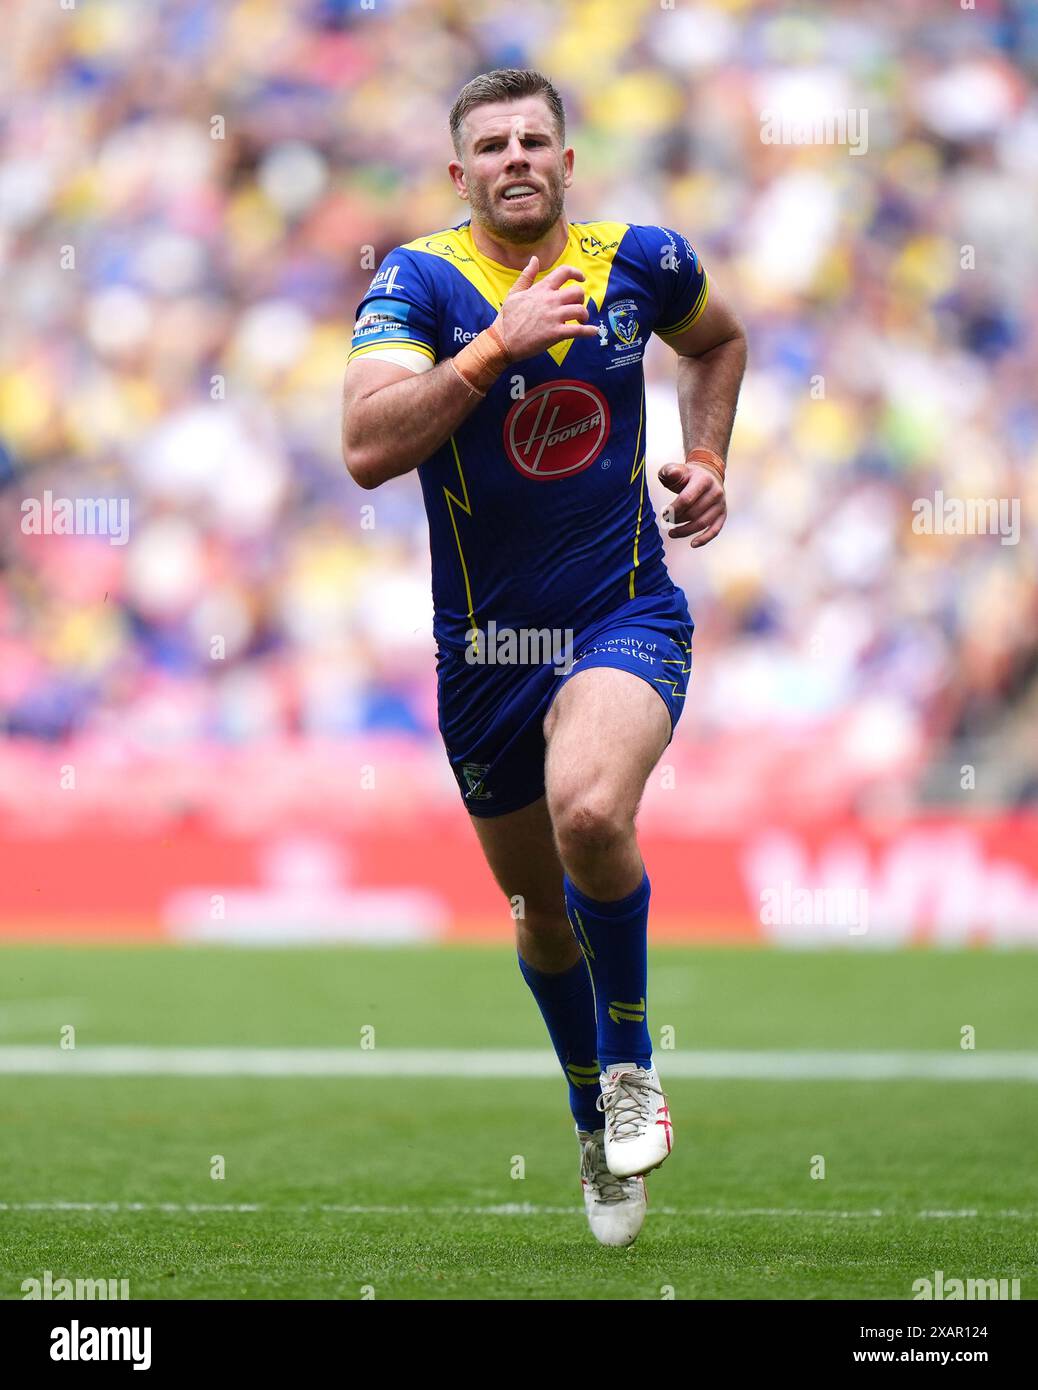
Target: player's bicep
(717, 323)
(366, 375)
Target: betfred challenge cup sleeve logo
(558, 429)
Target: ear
(567, 161)
(457, 173)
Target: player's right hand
(534, 317)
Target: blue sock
(613, 938)
(567, 1005)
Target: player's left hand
(700, 509)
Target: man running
(503, 359)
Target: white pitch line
(497, 1209)
(452, 1064)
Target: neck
(515, 255)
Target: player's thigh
(605, 732)
(520, 849)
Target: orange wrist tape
(481, 362)
(706, 458)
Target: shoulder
(414, 273)
(435, 251)
(437, 243)
(423, 269)
(600, 239)
(664, 247)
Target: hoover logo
(557, 430)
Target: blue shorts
(491, 714)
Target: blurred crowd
(191, 193)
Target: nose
(516, 153)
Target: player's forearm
(394, 429)
(708, 392)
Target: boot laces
(593, 1170)
(629, 1098)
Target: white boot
(615, 1206)
(638, 1131)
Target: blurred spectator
(187, 190)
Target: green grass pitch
(404, 1188)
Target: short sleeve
(396, 319)
(679, 279)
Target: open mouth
(519, 194)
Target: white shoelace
(629, 1096)
(593, 1170)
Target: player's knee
(590, 823)
(548, 925)
(545, 938)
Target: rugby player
(502, 359)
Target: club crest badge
(623, 321)
(474, 773)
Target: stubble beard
(518, 231)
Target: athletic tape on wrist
(465, 380)
(481, 362)
(706, 458)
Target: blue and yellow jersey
(539, 514)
